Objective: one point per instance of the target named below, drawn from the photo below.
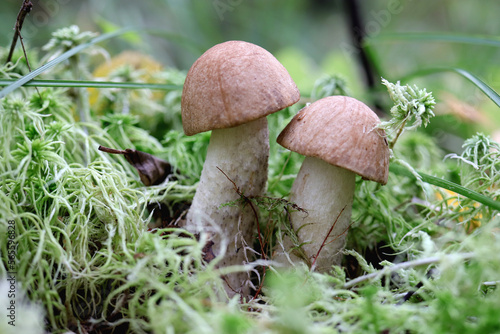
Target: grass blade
(93, 84)
(485, 88)
(442, 183)
(30, 76)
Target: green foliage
(328, 86)
(480, 163)
(83, 248)
(66, 38)
(283, 164)
(410, 104)
(179, 149)
(88, 262)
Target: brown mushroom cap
(234, 83)
(341, 131)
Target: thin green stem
(442, 183)
(92, 84)
(400, 131)
(19, 83)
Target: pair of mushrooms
(230, 90)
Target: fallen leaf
(208, 253)
(152, 170)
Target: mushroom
(339, 137)
(229, 90)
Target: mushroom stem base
(326, 193)
(242, 153)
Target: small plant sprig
(63, 40)
(480, 162)
(410, 103)
(329, 85)
(66, 38)
(482, 151)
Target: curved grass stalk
(485, 88)
(405, 265)
(30, 76)
(400, 170)
(91, 84)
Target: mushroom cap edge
(233, 83)
(343, 132)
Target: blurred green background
(310, 37)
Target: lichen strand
(242, 154)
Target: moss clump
(89, 262)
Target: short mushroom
(339, 137)
(229, 90)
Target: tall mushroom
(229, 90)
(339, 138)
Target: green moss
(86, 256)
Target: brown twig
(111, 150)
(327, 236)
(26, 7)
(234, 184)
(248, 201)
(343, 232)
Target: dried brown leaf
(152, 170)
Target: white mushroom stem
(242, 153)
(326, 193)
